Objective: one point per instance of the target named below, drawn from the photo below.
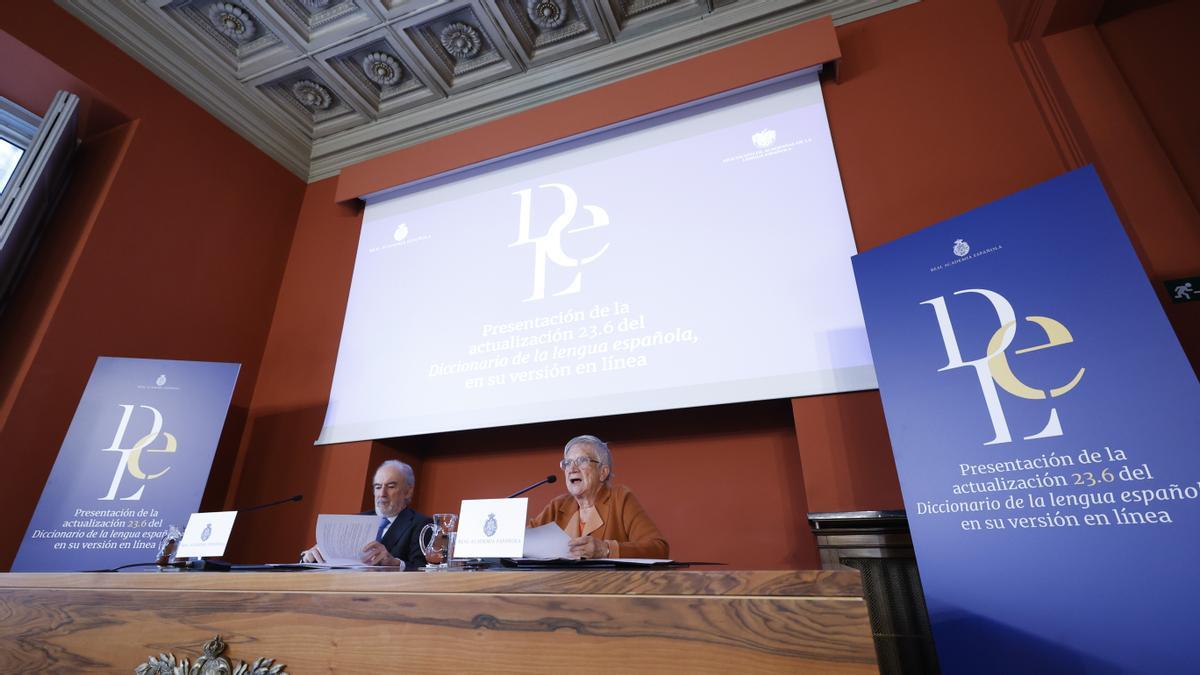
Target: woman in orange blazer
(604, 521)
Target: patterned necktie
(383, 526)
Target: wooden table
(678, 621)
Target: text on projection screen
(699, 258)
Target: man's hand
(587, 547)
(312, 555)
(376, 553)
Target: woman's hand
(587, 548)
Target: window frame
(18, 127)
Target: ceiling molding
(291, 76)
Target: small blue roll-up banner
(1046, 428)
(134, 462)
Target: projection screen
(697, 257)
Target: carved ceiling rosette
(311, 95)
(242, 35)
(462, 46)
(233, 21)
(461, 40)
(550, 30)
(321, 23)
(547, 13)
(382, 69)
(380, 73)
(313, 99)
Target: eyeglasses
(578, 462)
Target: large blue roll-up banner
(1046, 431)
(134, 462)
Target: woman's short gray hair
(602, 452)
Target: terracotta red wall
(169, 244)
(1155, 53)
(276, 457)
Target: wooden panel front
(595, 582)
(120, 620)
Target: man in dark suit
(399, 526)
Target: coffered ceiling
(321, 84)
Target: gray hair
(404, 469)
(602, 452)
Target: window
(34, 158)
(9, 154)
(17, 127)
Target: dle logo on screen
(131, 457)
(993, 369)
(549, 246)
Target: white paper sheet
(546, 542)
(341, 538)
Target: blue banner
(134, 462)
(1043, 418)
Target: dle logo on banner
(550, 245)
(131, 457)
(993, 369)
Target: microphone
(548, 479)
(293, 498)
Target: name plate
(206, 535)
(491, 528)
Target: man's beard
(379, 511)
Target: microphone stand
(548, 479)
(293, 498)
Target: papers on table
(547, 542)
(341, 538)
